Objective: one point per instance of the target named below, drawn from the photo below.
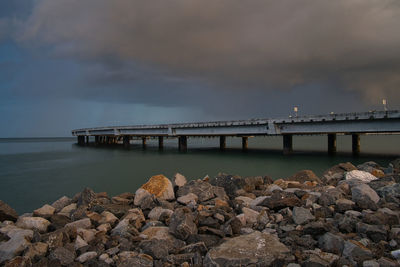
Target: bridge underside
(353, 124)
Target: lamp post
(296, 109)
(384, 102)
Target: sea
(36, 171)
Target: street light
(296, 109)
(384, 102)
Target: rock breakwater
(350, 216)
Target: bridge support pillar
(81, 140)
(331, 143)
(287, 143)
(96, 140)
(355, 144)
(245, 143)
(144, 141)
(160, 142)
(87, 140)
(222, 142)
(183, 143)
(126, 141)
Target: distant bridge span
(332, 124)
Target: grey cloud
(230, 45)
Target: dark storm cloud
(160, 51)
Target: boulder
(331, 243)
(336, 173)
(36, 250)
(157, 213)
(7, 213)
(65, 256)
(250, 215)
(18, 242)
(230, 183)
(356, 252)
(343, 205)
(86, 197)
(391, 193)
(179, 180)
(62, 202)
(203, 190)
(280, 200)
(46, 211)
(87, 256)
(182, 223)
(67, 210)
(140, 196)
(257, 248)
(362, 176)
(303, 176)
(374, 232)
(33, 223)
(107, 217)
(364, 196)
(302, 215)
(83, 223)
(160, 186)
(124, 229)
(187, 199)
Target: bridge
(354, 124)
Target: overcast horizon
(71, 64)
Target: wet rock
(280, 200)
(302, 215)
(356, 252)
(362, 176)
(256, 248)
(65, 256)
(87, 256)
(336, 173)
(182, 223)
(364, 196)
(187, 199)
(303, 176)
(7, 213)
(33, 223)
(179, 180)
(203, 190)
(331, 243)
(160, 186)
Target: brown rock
(303, 176)
(160, 186)
(7, 213)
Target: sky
(70, 64)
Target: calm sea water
(38, 171)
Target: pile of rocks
(348, 216)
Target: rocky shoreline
(348, 216)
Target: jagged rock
(87, 256)
(187, 199)
(336, 173)
(62, 202)
(256, 248)
(302, 215)
(203, 190)
(368, 166)
(331, 243)
(36, 250)
(108, 217)
(385, 262)
(65, 256)
(79, 243)
(86, 197)
(316, 228)
(356, 252)
(250, 215)
(362, 176)
(343, 205)
(364, 196)
(120, 200)
(135, 217)
(370, 263)
(19, 262)
(391, 193)
(7, 213)
(179, 180)
(374, 232)
(160, 186)
(87, 234)
(329, 197)
(67, 210)
(18, 242)
(303, 176)
(124, 229)
(230, 183)
(158, 212)
(142, 260)
(273, 187)
(83, 223)
(156, 248)
(246, 201)
(33, 223)
(318, 258)
(58, 221)
(46, 211)
(182, 224)
(280, 200)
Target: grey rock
(124, 229)
(158, 249)
(336, 173)
(203, 190)
(364, 196)
(391, 193)
(83, 223)
(303, 176)
(302, 215)
(18, 242)
(187, 199)
(356, 252)
(65, 256)
(318, 258)
(33, 223)
(182, 223)
(7, 213)
(87, 256)
(385, 262)
(256, 248)
(374, 232)
(331, 243)
(230, 183)
(46, 211)
(343, 205)
(370, 263)
(62, 202)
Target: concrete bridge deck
(332, 124)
